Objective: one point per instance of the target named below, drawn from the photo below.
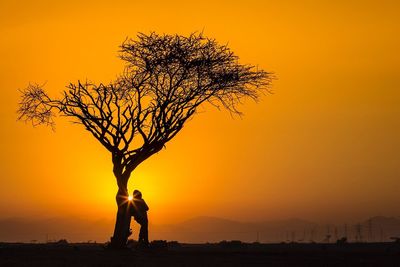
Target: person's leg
(141, 233)
(145, 232)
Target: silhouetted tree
(165, 80)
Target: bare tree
(165, 80)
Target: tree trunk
(123, 219)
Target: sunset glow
(323, 146)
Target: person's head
(137, 194)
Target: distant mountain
(211, 229)
(381, 228)
(384, 221)
(199, 230)
(73, 229)
(212, 224)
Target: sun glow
(130, 198)
(325, 129)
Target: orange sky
(324, 146)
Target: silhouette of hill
(387, 222)
(73, 229)
(206, 224)
(380, 228)
(212, 229)
(196, 230)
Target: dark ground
(228, 254)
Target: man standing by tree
(139, 210)
(165, 80)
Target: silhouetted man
(139, 213)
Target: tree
(165, 80)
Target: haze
(324, 147)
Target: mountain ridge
(199, 229)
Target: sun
(130, 198)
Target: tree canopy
(165, 79)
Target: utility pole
(370, 236)
(312, 234)
(336, 234)
(358, 233)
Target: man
(139, 210)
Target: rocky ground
(222, 254)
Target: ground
(223, 254)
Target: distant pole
(313, 233)
(328, 233)
(336, 234)
(258, 237)
(370, 236)
(358, 233)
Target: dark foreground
(375, 254)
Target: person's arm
(146, 208)
(132, 209)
